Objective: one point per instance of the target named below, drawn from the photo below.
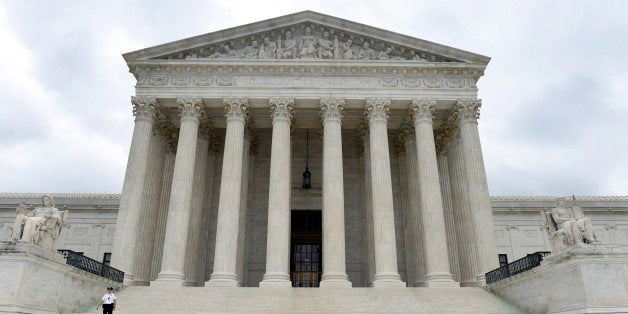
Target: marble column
(463, 218)
(414, 208)
(445, 188)
(368, 205)
(435, 239)
(173, 258)
(386, 273)
(278, 238)
(226, 252)
(195, 223)
(467, 112)
(170, 137)
(334, 264)
(202, 248)
(150, 208)
(122, 257)
(247, 162)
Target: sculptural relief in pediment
(306, 41)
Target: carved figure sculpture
(228, 54)
(568, 226)
(366, 53)
(326, 47)
(268, 50)
(44, 223)
(22, 214)
(415, 56)
(251, 51)
(307, 45)
(289, 48)
(384, 54)
(346, 50)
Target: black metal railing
(91, 266)
(516, 267)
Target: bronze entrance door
(306, 249)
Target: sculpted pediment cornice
(306, 37)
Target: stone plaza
(312, 151)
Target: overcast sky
(555, 99)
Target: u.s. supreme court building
(309, 151)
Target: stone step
(155, 299)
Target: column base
(469, 283)
(388, 280)
(276, 280)
(335, 280)
(171, 276)
(440, 279)
(128, 279)
(190, 284)
(223, 280)
(481, 280)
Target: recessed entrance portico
(386, 108)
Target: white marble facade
(394, 152)
(518, 226)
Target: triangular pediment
(306, 36)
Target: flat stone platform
(154, 299)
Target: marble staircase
(136, 299)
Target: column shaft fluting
(278, 239)
(368, 207)
(445, 187)
(150, 209)
(196, 222)
(467, 114)
(244, 210)
(463, 218)
(334, 265)
(227, 225)
(435, 244)
(173, 258)
(162, 216)
(414, 213)
(385, 246)
(127, 229)
(206, 214)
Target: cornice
(327, 67)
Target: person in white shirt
(108, 302)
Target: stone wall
(35, 280)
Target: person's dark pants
(107, 309)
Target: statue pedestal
(582, 278)
(36, 280)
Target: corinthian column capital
(145, 108)
(423, 110)
(281, 108)
(377, 109)
(190, 108)
(467, 110)
(236, 108)
(332, 109)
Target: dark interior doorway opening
(305, 248)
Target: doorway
(305, 248)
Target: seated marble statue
(44, 224)
(568, 226)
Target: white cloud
(554, 93)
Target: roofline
(295, 18)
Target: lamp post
(307, 176)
